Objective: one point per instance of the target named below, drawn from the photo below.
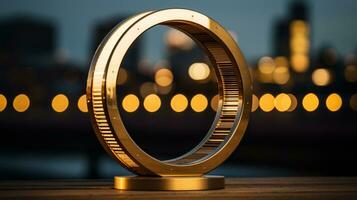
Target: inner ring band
(233, 83)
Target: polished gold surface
(234, 102)
(169, 183)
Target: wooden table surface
(300, 188)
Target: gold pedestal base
(168, 183)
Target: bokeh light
(199, 71)
(130, 103)
(334, 102)
(300, 62)
(351, 73)
(266, 65)
(353, 102)
(281, 61)
(266, 102)
(82, 103)
(164, 77)
(294, 103)
(214, 102)
(179, 103)
(299, 45)
(282, 102)
(147, 88)
(281, 75)
(3, 102)
(310, 102)
(152, 103)
(199, 103)
(122, 76)
(177, 39)
(21, 103)
(60, 103)
(321, 77)
(255, 103)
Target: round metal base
(168, 183)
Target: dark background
(46, 47)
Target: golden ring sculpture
(186, 172)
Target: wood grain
(236, 188)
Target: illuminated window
(3, 102)
(199, 71)
(60, 103)
(21, 103)
(130, 103)
(266, 102)
(214, 102)
(179, 103)
(152, 103)
(282, 102)
(334, 102)
(310, 102)
(164, 77)
(321, 77)
(199, 103)
(82, 103)
(255, 103)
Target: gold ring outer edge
(234, 83)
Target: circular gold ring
(234, 85)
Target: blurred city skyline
(303, 63)
(75, 20)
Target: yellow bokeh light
(199, 71)
(147, 88)
(281, 61)
(294, 103)
(300, 62)
(199, 103)
(21, 103)
(179, 103)
(266, 65)
(82, 103)
(60, 103)
(163, 90)
(282, 102)
(310, 102)
(299, 44)
(122, 76)
(177, 39)
(214, 102)
(164, 77)
(299, 27)
(266, 102)
(3, 102)
(255, 103)
(321, 77)
(351, 73)
(152, 103)
(130, 103)
(353, 102)
(334, 102)
(281, 75)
